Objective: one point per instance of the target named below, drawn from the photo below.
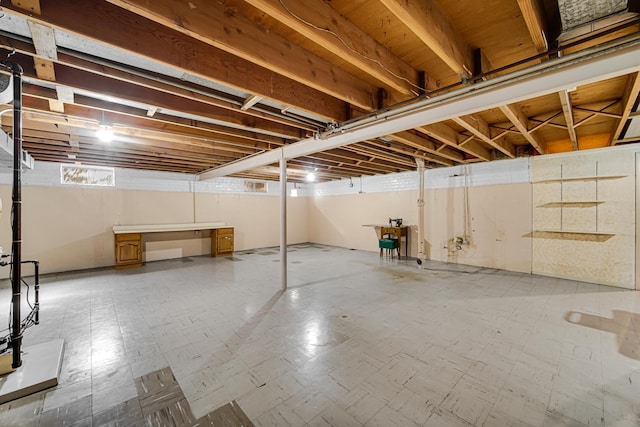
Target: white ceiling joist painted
(552, 76)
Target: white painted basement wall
(487, 204)
(494, 207)
(499, 214)
(69, 227)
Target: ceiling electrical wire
(345, 44)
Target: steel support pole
(283, 223)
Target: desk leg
(406, 245)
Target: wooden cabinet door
(128, 250)
(225, 243)
(222, 241)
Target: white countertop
(158, 228)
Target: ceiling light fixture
(311, 177)
(104, 133)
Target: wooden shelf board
(572, 204)
(586, 236)
(582, 178)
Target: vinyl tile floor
(355, 340)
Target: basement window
(255, 187)
(87, 175)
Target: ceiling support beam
(427, 22)
(80, 79)
(542, 79)
(565, 100)
(413, 153)
(419, 142)
(219, 26)
(631, 91)
(320, 23)
(480, 129)
(521, 122)
(179, 51)
(533, 15)
(452, 138)
(153, 81)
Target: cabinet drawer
(128, 236)
(222, 231)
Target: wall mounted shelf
(562, 204)
(583, 178)
(572, 204)
(585, 236)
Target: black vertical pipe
(16, 247)
(37, 287)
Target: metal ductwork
(6, 143)
(6, 153)
(581, 18)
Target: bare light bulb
(311, 177)
(105, 134)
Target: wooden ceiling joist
(416, 154)
(447, 135)
(631, 92)
(520, 121)
(178, 50)
(436, 32)
(480, 129)
(567, 109)
(322, 24)
(415, 140)
(220, 27)
(534, 16)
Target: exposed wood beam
(598, 113)
(409, 152)
(419, 142)
(425, 19)
(79, 79)
(565, 100)
(44, 69)
(33, 6)
(520, 121)
(78, 118)
(631, 91)
(480, 129)
(215, 24)
(250, 102)
(533, 15)
(351, 164)
(322, 24)
(354, 160)
(160, 83)
(177, 50)
(377, 153)
(449, 136)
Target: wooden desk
(128, 239)
(397, 232)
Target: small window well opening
(255, 187)
(87, 175)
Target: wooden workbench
(128, 239)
